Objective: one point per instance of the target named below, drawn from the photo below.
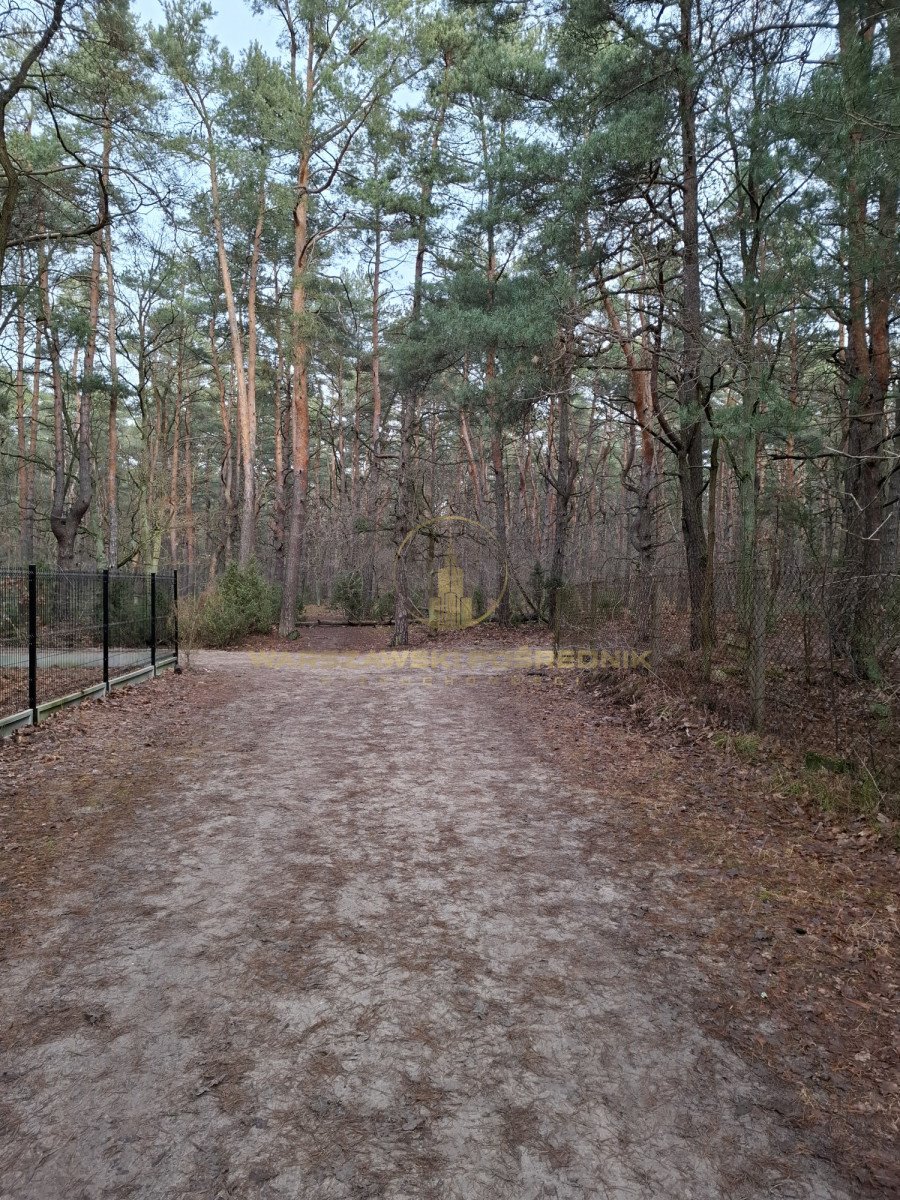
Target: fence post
(153, 620)
(757, 657)
(32, 643)
(557, 627)
(106, 628)
(654, 621)
(175, 608)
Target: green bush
(383, 607)
(347, 594)
(240, 604)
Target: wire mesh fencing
(14, 641)
(67, 634)
(779, 628)
(129, 622)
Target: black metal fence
(65, 635)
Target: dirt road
(364, 945)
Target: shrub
(347, 594)
(383, 607)
(241, 603)
(537, 585)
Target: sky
(234, 24)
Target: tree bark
(690, 450)
(354, 453)
(31, 468)
(870, 286)
(176, 443)
(21, 439)
(66, 518)
(406, 497)
(567, 462)
(642, 523)
(281, 412)
(470, 459)
(112, 452)
(247, 543)
(374, 477)
(300, 381)
(250, 500)
(226, 471)
(189, 525)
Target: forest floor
(333, 926)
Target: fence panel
(13, 642)
(64, 633)
(69, 633)
(129, 623)
(166, 615)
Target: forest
(365, 365)
(616, 280)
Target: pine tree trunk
(247, 543)
(867, 362)
(281, 414)
(189, 526)
(21, 440)
(248, 538)
(567, 465)
(690, 453)
(470, 459)
(354, 454)
(374, 476)
(300, 352)
(642, 525)
(66, 518)
(226, 471)
(31, 469)
(299, 415)
(501, 531)
(500, 523)
(112, 453)
(406, 497)
(176, 441)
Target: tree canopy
(617, 280)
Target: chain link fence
(65, 635)
(790, 623)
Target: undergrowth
(858, 779)
(241, 602)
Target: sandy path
(361, 950)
